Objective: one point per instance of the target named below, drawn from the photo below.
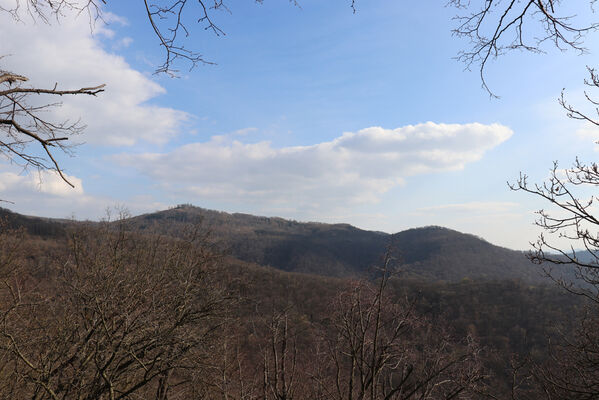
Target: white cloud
(122, 43)
(46, 182)
(473, 207)
(69, 54)
(51, 183)
(588, 131)
(231, 135)
(355, 168)
(111, 18)
(45, 194)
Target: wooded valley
(192, 303)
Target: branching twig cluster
(575, 217)
(124, 316)
(168, 22)
(385, 350)
(500, 26)
(572, 219)
(48, 10)
(575, 113)
(24, 123)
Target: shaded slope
(324, 249)
(433, 253)
(444, 254)
(44, 227)
(338, 250)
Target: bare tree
(24, 123)
(28, 137)
(168, 20)
(570, 241)
(124, 316)
(572, 218)
(13, 290)
(280, 370)
(499, 26)
(281, 355)
(379, 349)
(570, 224)
(572, 370)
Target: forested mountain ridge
(338, 250)
(38, 226)
(253, 302)
(432, 252)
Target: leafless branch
(500, 26)
(23, 124)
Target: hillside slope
(337, 250)
(433, 253)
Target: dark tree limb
(23, 124)
(500, 26)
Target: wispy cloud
(590, 132)
(474, 207)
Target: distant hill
(434, 253)
(336, 250)
(45, 227)
(323, 249)
(444, 254)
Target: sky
(309, 112)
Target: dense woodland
(164, 306)
(192, 303)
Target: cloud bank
(355, 168)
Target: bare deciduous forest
(106, 310)
(195, 304)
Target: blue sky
(310, 113)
